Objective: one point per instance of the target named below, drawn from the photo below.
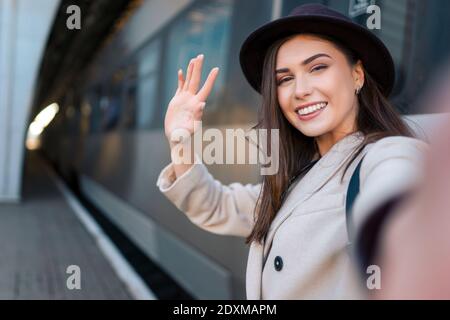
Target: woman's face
(316, 87)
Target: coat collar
(323, 171)
(315, 178)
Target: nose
(302, 88)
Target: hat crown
(319, 19)
(316, 10)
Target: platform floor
(41, 237)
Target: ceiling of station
(68, 51)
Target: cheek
(338, 92)
(283, 99)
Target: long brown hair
(376, 119)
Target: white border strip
(134, 283)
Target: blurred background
(83, 91)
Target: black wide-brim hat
(318, 19)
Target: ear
(358, 74)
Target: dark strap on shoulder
(352, 192)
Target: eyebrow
(307, 61)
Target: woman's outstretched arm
(189, 186)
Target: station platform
(41, 237)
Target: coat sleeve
(214, 207)
(391, 169)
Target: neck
(348, 126)
(326, 141)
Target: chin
(313, 129)
(313, 133)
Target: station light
(38, 125)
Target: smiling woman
(324, 82)
(318, 93)
(323, 85)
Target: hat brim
(373, 53)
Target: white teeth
(311, 109)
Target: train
(109, 133)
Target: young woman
(324, 82)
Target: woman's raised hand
(186, 106)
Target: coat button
(278, 263)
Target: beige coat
(309, 234)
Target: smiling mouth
(312, 109)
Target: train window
(95, 115)
(430, 49)
(238, 101)
(147, 84)
(110, 104)
(146, 97)
(416, 33)
(110, 107)
(86, 111)
(129, 107)
(203, 28)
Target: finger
(188, 74)
(180, 80)
(196, 75)
(209, 83)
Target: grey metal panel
(201, 276)
(425, 125)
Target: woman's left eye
(317, 68)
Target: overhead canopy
(69, 51)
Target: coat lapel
(319, 175)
